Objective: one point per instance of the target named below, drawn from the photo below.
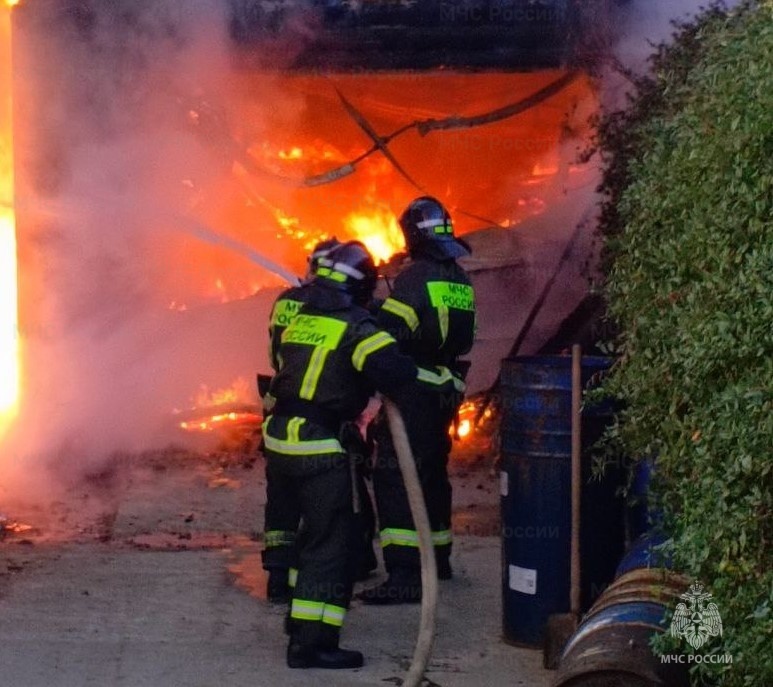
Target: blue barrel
(612, 644)
(536, 495)
(648, 551)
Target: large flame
(9, 341)
(378, 230)
(303, 173)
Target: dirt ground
(149, 574)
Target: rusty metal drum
(536, 495)
(612, 644)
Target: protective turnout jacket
(286, 307)
(431, 313)
(333, 358)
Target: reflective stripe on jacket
(333, 358)
(431, 312)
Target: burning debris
(218, 422)
(231, 415)
(475, 433)
(10, 527)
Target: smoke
(644, 24)
(133, 114)
(114, 196)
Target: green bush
(689, 263)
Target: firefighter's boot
(315, 646)
(333, 658)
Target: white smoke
(644, 24)
(103, 199)
(102, 203)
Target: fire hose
(429, 585)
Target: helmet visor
(445, 248)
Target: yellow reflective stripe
(441, 537)
(441, 226)
(292, 577)
(441, 378)
(368, 346)
(302, 609)
(314, 330)
(451, 295)
(313, 373)
(294, 428)
(403, 311)
(284, 311)
(303, 448)
(442, 315)
(333, 615)
(397, 537)
(273, 538)
(336, 276)
(311, 447)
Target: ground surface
(148, 575)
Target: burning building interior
(173, 166)
(166, 167)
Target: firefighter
(431, 313)
(333, 359)
(282, 518)
(289, 302)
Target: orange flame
(378, 230)
(468, 412)
(219, 421)
(294, 153)
(465, 427)
(9, 336)
(232, 407)
(239, 392)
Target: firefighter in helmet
(282, 518)
(334, 358)
(431, 313)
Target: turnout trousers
(320, 490)
(282, 520)
(283, 524)
(428, 414)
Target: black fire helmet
(428, 230)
